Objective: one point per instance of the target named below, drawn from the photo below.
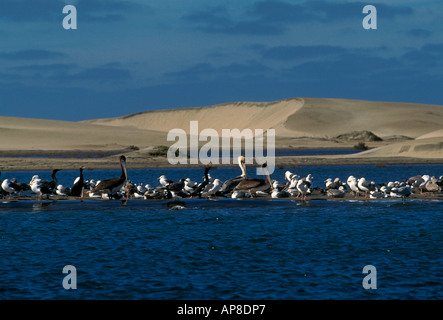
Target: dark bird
(19, 186)
(254, 185)
(201, 186)
(49, 187)
(176, 186)
(112, 186)
(79, 185)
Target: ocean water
(226, 248)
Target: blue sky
(130, 56)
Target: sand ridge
(409, 131)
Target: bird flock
(294, 186)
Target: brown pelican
(77, 189)
(112, 186)
(230, 184)
(254, 185)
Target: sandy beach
(406, 133)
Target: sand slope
(424, 148)
(297, 117)
(298, 122)
(37, 134)
(239, 115)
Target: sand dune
(424, 148)
(407, 130)
(37, 134)
(297, 117)
(240, 115)
(433, 134)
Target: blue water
(224, 249)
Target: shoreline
(431, 196)
(137, 161)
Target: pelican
(230, 184)
(79, 185)
(255, 185)
(112, 186)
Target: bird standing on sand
(353, 185)
(163, 181)
(199, 189)
(112, 186)
(48, 188)
(79, 185)
(303, 188)
(6, 186)
(365, 186)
